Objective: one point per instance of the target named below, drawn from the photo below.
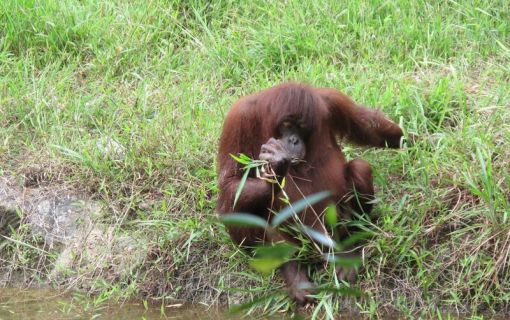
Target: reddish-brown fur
(330, 116)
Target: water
(43, 304)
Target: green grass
(159, 76)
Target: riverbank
(110, 114)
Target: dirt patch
(65, 238)
(61, 227)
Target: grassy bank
(157, 77)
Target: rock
(9, 218)
(59, 219)
(54, 213)
(98, 252)
(68, 223)
(8, 195)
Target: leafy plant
(268, 257)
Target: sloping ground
(110, 113)
(54, 235)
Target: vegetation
(154, 79)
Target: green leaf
(355, 238)
(268, 258)
(298, 206)
(266, 265)
(278, 250)
(25, 244)
(240, 187)
(331, 216)
(318, 237)
(255, 164)
(243, 219)
(242, 158)
(345, 262)
(248, 163)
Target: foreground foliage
(154, 80)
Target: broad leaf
(318, 237)
(331, 216)
(298, 206)
(279, 250)
(266, 265)
(268, 258)
(345, 262)
(355, 238)
(243, 219)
